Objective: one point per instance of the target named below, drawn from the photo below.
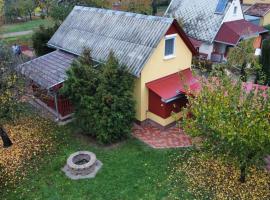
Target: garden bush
(103, 98)
(40, 39)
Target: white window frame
(167, 37)
(235, 9)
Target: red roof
(174, 84)
(258, 9)
(232, 32)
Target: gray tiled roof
(197, 17)
(48, 70)
(132, 37)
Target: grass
(131, 170)
(26, 26)
(21, 40)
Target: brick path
(158, 139)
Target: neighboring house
(250, 2)
(216, 24)
(260, 10)
(155, 50)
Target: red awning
(175, 84)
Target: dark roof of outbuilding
(132, 37)
(48, 70)
(232, 32)
(258, 9)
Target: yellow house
(261, 10)
(249, 2)
(154, 49)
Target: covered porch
(47, 75)
(167, 95)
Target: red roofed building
(214, 25)
(232, 32)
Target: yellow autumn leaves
(209, 177)
(31, 137)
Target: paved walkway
(160, 139)
(15, 34)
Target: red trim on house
(175, 28)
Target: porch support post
(56, 105)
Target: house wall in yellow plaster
(255, 1)
(265, 20)
(155, 68)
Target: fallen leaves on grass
(32, 138)
(211, 178)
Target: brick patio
(159, 139)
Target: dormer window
(169, 46)
(235, 10)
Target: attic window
(235, 10)
(169, 46)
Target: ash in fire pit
(82, 164)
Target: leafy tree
(11, 10)
(103, 98)
(41, 37)
(242, 57)
(265, 59)
(10, 91)
(61, 9)
(27, 7)
(46, 5)
(232, 120)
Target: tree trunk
(242, 174)
(30, 15)
(6, 141)
(154, 7)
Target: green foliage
(142, 7)
(27, 7)
(60, 10)
(116, 104)
(10, 85)
(18, 8)
(233, 121)
(242, 57)
(41, 37)
(265, 59)
(103, 98)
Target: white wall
(230, 16)
(206, 48)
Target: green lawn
(30, 25)
(21, 40)
(131, 170)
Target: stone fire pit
(82, 164)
